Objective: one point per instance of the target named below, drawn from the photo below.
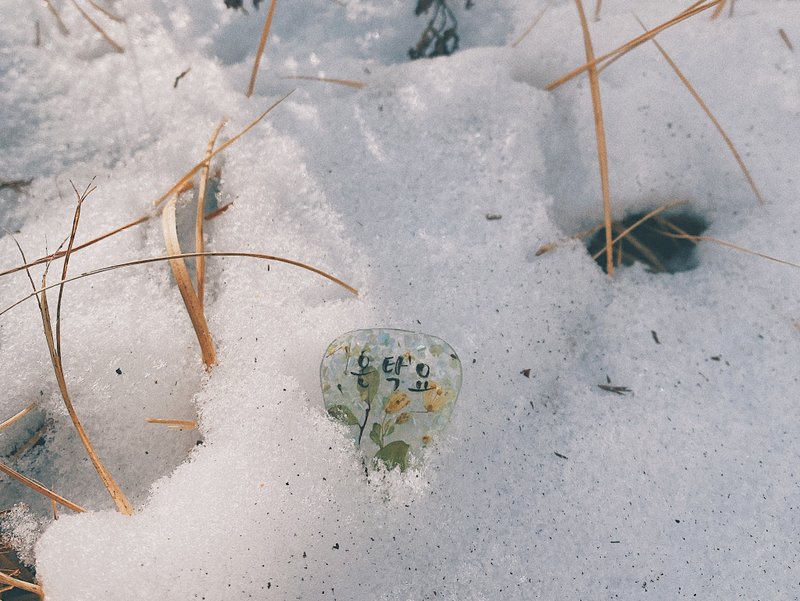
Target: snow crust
(545, 486)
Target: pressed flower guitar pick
(394, 389)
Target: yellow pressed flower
(402, 418)
(396, 402)
(436, 397)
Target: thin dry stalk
(545, 248)
(177, 423)
(119, 498)
(178, 186)
(18, 416)
(184, 281)
(59, 21)
(29, 444)
(785, 39)
(21, 584)
(200, 262)
(533, 24)
(100, 30)
(106, 12)
(598, 5)
(40, 488)
(600, 133)
(639, 222)
(630, 45)
(710, 115)
(149, 260)
(718, 11)
(732, 246)
(261, 45)
(350, 83)
(189, 174)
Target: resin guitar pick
(395, 390)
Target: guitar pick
(394, 389)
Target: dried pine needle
(41, 489)
(177, 187)
(602, 153)
(174, 423)
(732, 246)
(630, 45)
(639, 222)
(710, 115)
(533, 24)
(261, 45)
(59, 21)
(545, 248)
(149, 260)
(100, 30)
(119, 498)
(184, 281)
(18, 416)
(106, 12)
(200, 262)
(350, 83)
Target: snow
(545, 486)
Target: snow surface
(546, 486)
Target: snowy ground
(545, 486)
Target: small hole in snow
(660, 242)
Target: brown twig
(21, 584)
(602, 153)
(176, 423)
(261, 45)
(106, 12)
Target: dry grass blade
(533, 24)
(710, 115)
(597, 8)
(718, 11)
(633, 226)
(545, 248)
(261, 45)
(106, 12)
(602, 153)
(177, 423)
(18, 416)
(191, 173)
(630, 45)
(149, 260)
(61, 26)
(732, 246)
(184, 281)
(119, 498)
(218, 211)
(100, 30)
(200, 262)
(350, 83)
(178, 186)
(21, 584)
(41, 489)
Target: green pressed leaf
(375, 433)
(388, 429)
(393, 454)
(343, 414)
(368, 384)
